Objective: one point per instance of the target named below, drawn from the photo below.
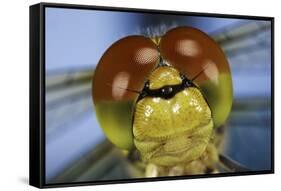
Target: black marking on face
(168, 91)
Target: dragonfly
(165, 100)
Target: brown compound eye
(190, 50)
(193, 52)
(124, 66)
(123, 69)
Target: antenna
(129, 90)
(197, 75)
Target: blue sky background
(78, 38)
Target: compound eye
(124, 66)
(119, 76)
(191, 51)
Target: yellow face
(172, 122)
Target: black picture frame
(37, 94)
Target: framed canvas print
(126, 95)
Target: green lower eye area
(115, 119)
(219, 98)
